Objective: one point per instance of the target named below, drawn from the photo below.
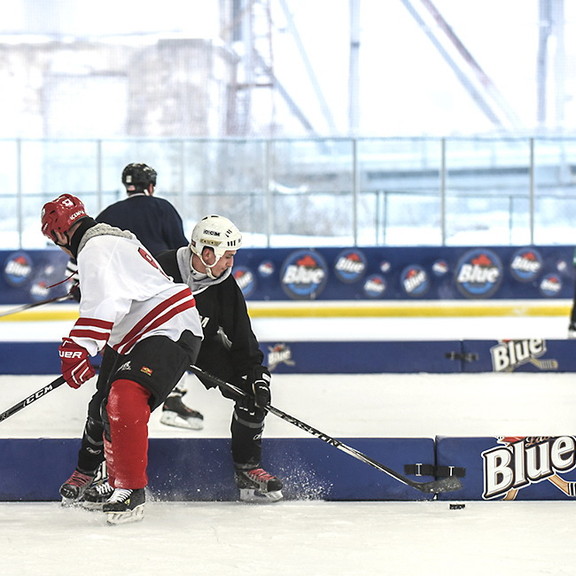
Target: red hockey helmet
(60, 214)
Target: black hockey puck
(457, 506)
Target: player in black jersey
(229, 349)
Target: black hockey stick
(449, 484)
(32, 398)
(34, 305)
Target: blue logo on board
(304, 275)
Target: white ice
(315, 538)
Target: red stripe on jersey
(95, 322)
(157, 316)
(93, 328)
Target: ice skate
(572, 331)
(96, 495)
(73, 489)
(176, 413)
(256, 485)
(125, 506)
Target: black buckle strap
(420, 469)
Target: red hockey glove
(75, 365)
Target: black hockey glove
(75, 291)
(260, 384)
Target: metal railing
(314, 192)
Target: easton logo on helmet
(304, 275)
(478, 273)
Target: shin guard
(128, 415)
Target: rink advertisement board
(201, 469)
(500, 468)
(370, 357)
(367, 273)
(511, 467)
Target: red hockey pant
(127, 452)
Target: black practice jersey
(227, 328)
(154, 221)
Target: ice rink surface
(312, 538)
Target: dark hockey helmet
(137, 177)
(60, 214)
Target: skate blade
(91, 506)
(134, 515)
(251, 495)
(173, 419)
(69, 502)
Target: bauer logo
(17, 269)
(414, 280)
(550, 285)
(279, 354)
(374, 286)
(508, 355)
(526, 264)
(304, 275)
(478, 273)
(350, 266)
(245, 280)
(523, 461)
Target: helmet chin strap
(207, 266)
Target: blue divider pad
(29, 358)
(514, 468)
(444, 357)
(201, 469)
(296, 358)
(361, 357)
(529, 355)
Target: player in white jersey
(128, 304)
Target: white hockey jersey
(125, 295)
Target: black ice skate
(256, 485)
(73, 489)
(125, 506)
(176, 413)
(96, 495)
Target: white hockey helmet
(216, 232)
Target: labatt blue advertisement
(363, 273)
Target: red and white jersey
(126, 297)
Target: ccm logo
(70, 354)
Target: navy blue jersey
(154, 221)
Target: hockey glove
(74, 362)
(75, 291)
(261, 387)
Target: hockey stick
(449, 484)
(32, 398)
(34, 305)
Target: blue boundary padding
(444, 357)
(201, 469)
(526, 472)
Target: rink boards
(370, 357)
(192, 469)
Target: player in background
(229, 350)
(158, 226)
(130, 306)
